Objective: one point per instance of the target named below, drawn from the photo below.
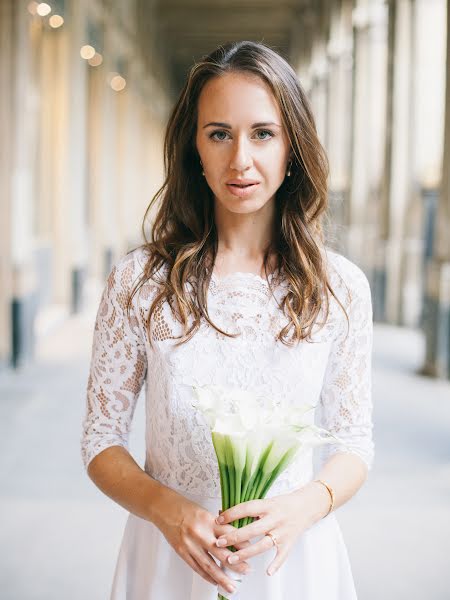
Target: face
(240, 135)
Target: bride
(236, 287)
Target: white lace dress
(333, 374)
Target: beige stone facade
(81, 160)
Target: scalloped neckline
(240, 275)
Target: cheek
(275, 156)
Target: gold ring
(274, 539)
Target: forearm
(345, 473)
(117, 474)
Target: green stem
(226, 489)
(237, 494)
(251, 495)
(248, 486)
(231, 472)
(246, 492)
(222, 474)
(284, 462)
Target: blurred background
(85, 91)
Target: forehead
(238, 95)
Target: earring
(289, 169)
(203, 172)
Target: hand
(286, 516)
(192, 532)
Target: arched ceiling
(188, 29)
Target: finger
(209, 565)
(252, 550)
(277, 562)
(237, 536)
(252, 508)
(224, 554)
(222, 531)
(197, 568)
(242, 545)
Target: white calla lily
(255, 439)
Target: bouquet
(254, 440)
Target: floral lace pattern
(332, 373)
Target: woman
(235, 288)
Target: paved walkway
(59, 535)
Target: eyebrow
(227, 126)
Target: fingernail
(221, 542)
(220, 520)
(231, 588)
(270, 572)
(233, 559)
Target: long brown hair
(184, 235)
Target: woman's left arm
(346, 411)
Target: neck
(245, 237)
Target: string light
(55, 21)
(43, 9)
(32, 7)
(96, 60)
(87, 52)
(117, 82)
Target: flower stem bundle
(255, 440)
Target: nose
(241, 158)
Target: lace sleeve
(118, 366)
(346, 397)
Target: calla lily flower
(255, 439)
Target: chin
(243, 206)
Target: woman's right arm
(117, 373)
(190, 529)
(115, 472)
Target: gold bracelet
(331, 492)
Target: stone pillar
(76, 174)
(426, 102)
(340, 50)
(369, 124)
(7, 50)
(399, 168)
(319, 69)
(437, 293)
(97, 88)
(108, 225)
(319, 87)
(23, 128)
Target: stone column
(399, 168)
(437, 293)
(316, 77)
(369, 121)
(426, 127)
(340, 57)
(23, 129)
(7, 50)
(74, 185)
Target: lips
(242, 190)
(241, 185)
(242, 182)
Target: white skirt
(317, 567)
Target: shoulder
(347, 280)
(131, 263)
(130, 277)
(125, 271)
(132, 266)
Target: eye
(271, 134)
(215, 133)
(219, 132)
